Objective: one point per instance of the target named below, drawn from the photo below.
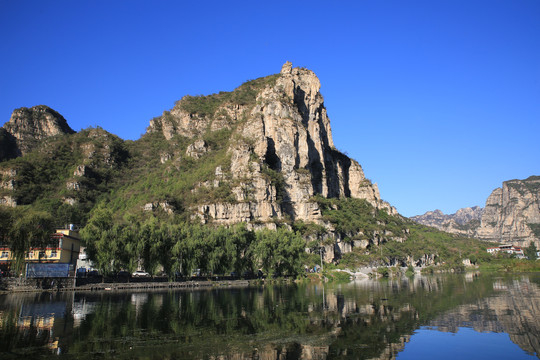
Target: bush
(383, 271)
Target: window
(53, 253)
(4, 254)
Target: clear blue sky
(438, 100)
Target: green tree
(178, 248)
(530, 251)
(29, 229)
(149, 242)
(239, 248)
(100, 239)
(6, 222)
(278, 251)
(164, 247)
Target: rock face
(464, 222)
(283, 155)
(197, 149)
(27, 126)
(512, 213)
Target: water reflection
(359, 320)
(514, 309)
(33, 321)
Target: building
(509, 249)
(64, 248)
(493, 250)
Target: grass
(510, 265)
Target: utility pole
(320, 250)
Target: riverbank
(163, 285)
(13, 285)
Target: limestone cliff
(28, 126)
(282, 154)
(512, 213)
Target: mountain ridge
(462, 222)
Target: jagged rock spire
(286, 68)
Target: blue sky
(439, 101)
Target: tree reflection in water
(358, 320)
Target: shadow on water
(358, 320)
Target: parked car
(140, 273)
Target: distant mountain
(464, 222)
(511, 215)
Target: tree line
(156, 245)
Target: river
(467, 316)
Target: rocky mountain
(462, 222)
(29, 126)
(511, 215)
(282, 153)
(262, 154)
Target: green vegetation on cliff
(245, 94)
(66, 175)
(400, 240)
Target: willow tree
(6, 223)
(28, 229)
(100, 239)
(278, 251)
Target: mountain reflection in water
(358, 320)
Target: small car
(140, 273)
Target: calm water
(447, 317)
